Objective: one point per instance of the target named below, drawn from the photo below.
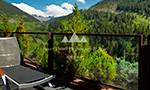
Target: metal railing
(141, 61)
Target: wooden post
(5, 34)
(144, 65)
(140, 69)
(11, 34)
(148, 64)
(50, 53)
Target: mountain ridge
(12, 11)
(41, 18)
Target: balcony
(60, 49)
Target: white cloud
(28, 9)
(67, 6)
(51, 10)
(82, 1)
(55, 10)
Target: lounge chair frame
(6, 62)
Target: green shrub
(42, 56)
(101, 66)
(80, 60)
(127, 72)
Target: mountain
(43, 19)
(105, 5)
(141, 7)
(14, 12)
(47, 19)
(53, 19)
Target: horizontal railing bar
(31, 32)
(114, 35)
(89, 34)
(27, 32)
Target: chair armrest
(32, 62)
(1, 72)
(4, 79)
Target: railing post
(5, 34)
(140, 70)
(11, 34)
(148, 64)
(144, 65)
(50, 53)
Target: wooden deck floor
(62, 84)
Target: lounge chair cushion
(24, 74)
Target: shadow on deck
(62, 84)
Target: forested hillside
(14, 13)
(139, 6)
(105, 5)
(136, 6)
(106, 22)
(111, 23)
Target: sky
(54, 8)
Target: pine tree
(77, 59)
(76, 24)
(23, 39)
